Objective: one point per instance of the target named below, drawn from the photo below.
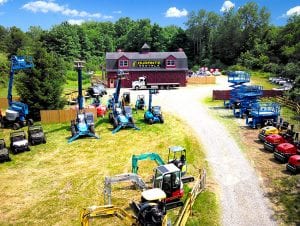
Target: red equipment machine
(273, 140)
(294, 164)
(284, 151)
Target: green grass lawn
(51, 184)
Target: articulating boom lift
(153, 114)
(84, 123)
(17, 112)
(120, 116)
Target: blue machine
(245, 98)
(262, 114)
(17, 112)
(84, 123)
(238, 80)
(153, 114)
(120, 116)
(140, 102)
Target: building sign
(146, 63)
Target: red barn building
(157, 67)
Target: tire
(73, 130)
(150, 121)
(31, 142)
(115, 123)
(16, 126)
(13, 151)
(44, 140)
(92, 129)
(136, 87)
(30, 122)
(162, 119)
(110, 118)
(28, 148)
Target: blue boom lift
(84, 123)
(17, 112)
(120, 116)
(153, 114)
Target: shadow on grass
(286, 172)
(67, 128)
(265, 151)
(219, 108)
(272, 159)
(258, 141)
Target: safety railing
(186, 210)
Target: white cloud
(107, 17)
(117, 12)
(174, 12)
(227, 5)
(51, 6)
(76, 22)
(3, 1)
(293, 11)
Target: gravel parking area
(241, 195)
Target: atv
(36, 135)
(4, 153)
(18, 142)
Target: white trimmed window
(123, 63)
(170, 62)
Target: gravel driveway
(241, 195)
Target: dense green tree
(63, 40)
(41, 87)
(15, 41)
(227, 39)
(4, 70)
(139, 34)
(200, 27)
(158, 41)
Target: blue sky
(46, 13)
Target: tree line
(243, 38)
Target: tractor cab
(168, 178)
(177, 156)
(152, 208)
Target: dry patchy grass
(280, 186)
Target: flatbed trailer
(143, 84)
